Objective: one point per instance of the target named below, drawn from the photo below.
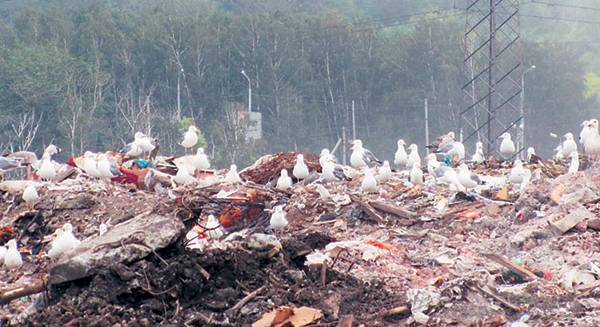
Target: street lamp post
(521, 140)
(249, 91)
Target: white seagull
(284, 181)
(467, 178)
(278, 218)
(507, 146)
(518, 173)
(361, 157)
(63, 242)
(324, 194)
(478, 157)
(592, 139)
(574, 165)
(530, 153)
(328, 170)
(200, 160)
(400, 157)
(183, 176)
(569, 145)
(213, 227)
(416, 174)
(450, 177)
(30, 195)
(432, 164)
(104, 167)
(325, 157)
(369, 183)
(585, 128)
(90, 164)
(413, 156)
(300, 170)
(145, 142)
(232, 175)
(190, 137)
(453, 148)
(384, 172)
(12, 257)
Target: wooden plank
(393, 209)
(524, 273)
(368, 209)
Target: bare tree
(24, 129)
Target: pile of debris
(405, 255)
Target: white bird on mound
(325, 157)
(361, 157)
(574, 165)
(452, 149)
(145, 142)
(213, 227)
(131, 150)
(416, 174)
(385, 172)
(507, 146)
(300, 169)
(569, 145)
(328, 174)
(278, 218)
(200, 160)
(518, 173)
(12, 257)
(104, 168)
(183, 176)
(413, 156)
(284, 181)
(401, 157)
(450, 177)
(432, 164)
(63, 242)
(478, 157)
(30, 195)
(585, 128)
(232, 175)
(530, 153)
(190, 137)
(467, 178)
(592, 139)
(324, 194)
(90, 164)
(369, 183)
(559, 155)
(47, 169)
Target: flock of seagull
(109, 165)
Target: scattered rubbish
(288, 316)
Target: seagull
(145, 142)
(432, 164)
(131, 150)
(328, 172)
(530, 153)
(324, 194)
(518, 173)
(574, 165)
(507, 146)
(369, 183)
(90, 164)
(592, 139)
(104, 168)
(442, 141)
(190, 137)
(30, 195)
(450, 177)
(400, 157)
(232, 175)
(467, 178)
(200, 160)
(413, 156)
(385, 172)
(325, 157)
(47, 169)
(64, 242)
(12, 257)
(7, 164)
(213, 227)
(585, 128)
(361, 157)
(416, 174)
(278, 218)
(452, 148)
(569, 145)
(478, 157)
(559, 155)
(284, 181)
(300, 170)
(183, 176)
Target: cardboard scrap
(288, 316)
(564, 224)
(557, 193)
(503, 194)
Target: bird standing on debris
(232, 175)
(518, 173)
(300, 169)
(585, 128)
(30, 195)
(369, 183)
(12, 257)
(328, 172)
(467, 178)
(325, 157)
(591, 141)
(559, 155)
(442, 141)
(144, 142)
(413, 156)
(361, 157)
(200, 160)
(324, 194)
(478, 157)
(284, 182)
(574, 165)
(530, 153)
(131, 150)
(507, 146)
(385, 172)
(7, 164)
(400, 157)
(569, 145)
(278, 218)
(451, 149)
(104, 167)
(63, 242)
(190, 137)
(90, 164)
(450, 177)
(47, 169)
(213, 227)
(183, 176)
(432, 164)
(416, 174)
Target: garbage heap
(406, 255)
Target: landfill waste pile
(299, 241)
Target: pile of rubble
(405, 255)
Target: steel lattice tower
(493, 71)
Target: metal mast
(493, 71)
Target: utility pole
(353, 123)
(179, 95)
(344, 145)
(427, 124)
(249, 91)
(521, 129)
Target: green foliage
(592, 84)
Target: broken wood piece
(524, 273)
(8, 295)
(396, 311)
(491, 293)
(234, 310)
(393, 209)
(346, 321)
(368, 209)
(564, 224)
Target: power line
(550, 4)
(584, 21)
